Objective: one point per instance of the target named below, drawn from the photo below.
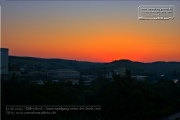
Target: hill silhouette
(158, 67)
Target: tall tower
(4, 61)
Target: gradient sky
(98, 31)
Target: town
(120, 89)
(40, 74)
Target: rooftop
(3, 49)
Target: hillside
(91, 67)
(54, 63)
(145, 68)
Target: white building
(87, 79)
(120, 71)
(4, 61)
(139, 77)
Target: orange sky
(88, 35)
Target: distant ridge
(122, 60)
(54, 63)
(158, 67)
(29, 57)
(127, 60)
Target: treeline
(122, 98)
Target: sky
(96, 31)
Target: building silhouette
(4, 61)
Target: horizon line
(92, 61)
